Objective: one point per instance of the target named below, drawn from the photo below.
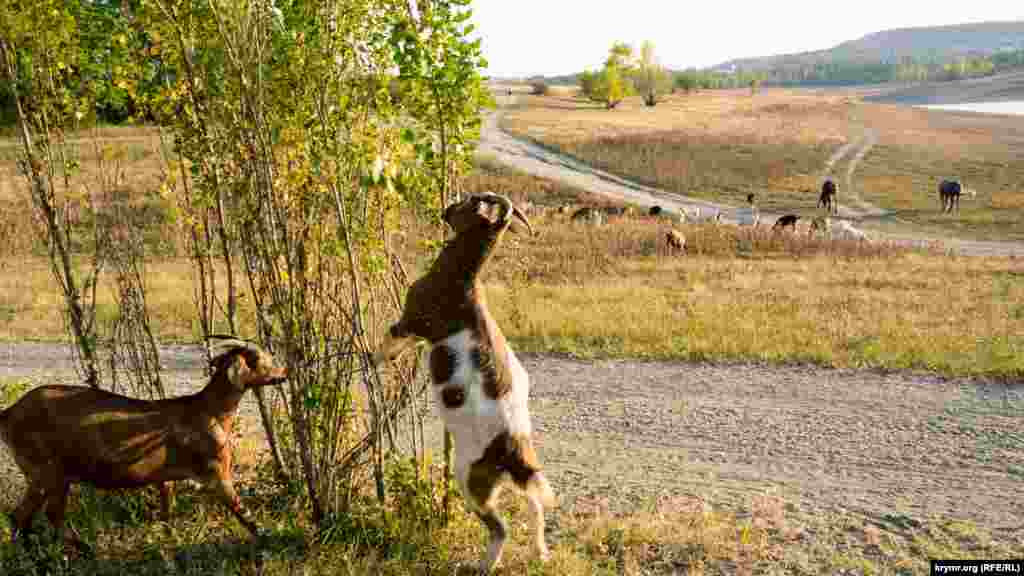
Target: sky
(552, 37)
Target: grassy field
(592, 292)
(721, 145)
(739, 295)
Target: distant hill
(927, 44)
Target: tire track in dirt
(864, 209)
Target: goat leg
(56, 504)
(537, 518)
(166, 500)
(22, 517)
(224, 489)
(498, 531)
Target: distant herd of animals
(950, 192)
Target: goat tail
(539, 487)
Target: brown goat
(675, 240)
(63, 435)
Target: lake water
(1016, 107)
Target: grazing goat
(949, 194)
(620, 211)
(749, 216)
(828, 197)
(675, 240)
(63, 435)
(787, 221)
(590, 215)
(820, 224)
(480, 386)
(710, 217)
(845, 231)
(659, 212)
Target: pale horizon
(557, 37)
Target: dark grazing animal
(480, 386)
(828, 197)
(590, 215)
(63, 435)
(949, 195)
(787, 221)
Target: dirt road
(878, 446)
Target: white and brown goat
(63, 435)
(480, 387)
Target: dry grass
(668, 536)
(723, 144)
(133, 152)
(617, 291)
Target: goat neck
(220, 397)
(464, 256)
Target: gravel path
(627, 432)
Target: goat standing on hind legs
(62, 435)
(479, 384)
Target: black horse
(828, 197)
(949, 194)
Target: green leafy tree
(295, 146)
(587, 82)
(687, 81)
(612, 84)
(621, 56)
(650, 78)
(441, 67)
(610, 87)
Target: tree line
(628, 73)
(908, 69)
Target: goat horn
(522, 217)
(227, 343)
(506, 205)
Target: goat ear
(237, 371)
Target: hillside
(925, 44)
